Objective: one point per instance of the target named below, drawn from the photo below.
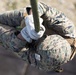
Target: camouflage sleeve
(12, 18)
(57, 21)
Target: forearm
(12, 18)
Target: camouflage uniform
(56, 20)
(12, 18)
(9, 21)
(51, 53)
(54, 50)
(9, 39)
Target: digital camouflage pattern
(57, 21)
(53, 19)
(10, 22)
(53, 52)
(9, 39)
(12, 18)
(50, 55)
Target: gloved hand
(29, 32)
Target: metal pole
(35, 15)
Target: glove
(29, 32)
